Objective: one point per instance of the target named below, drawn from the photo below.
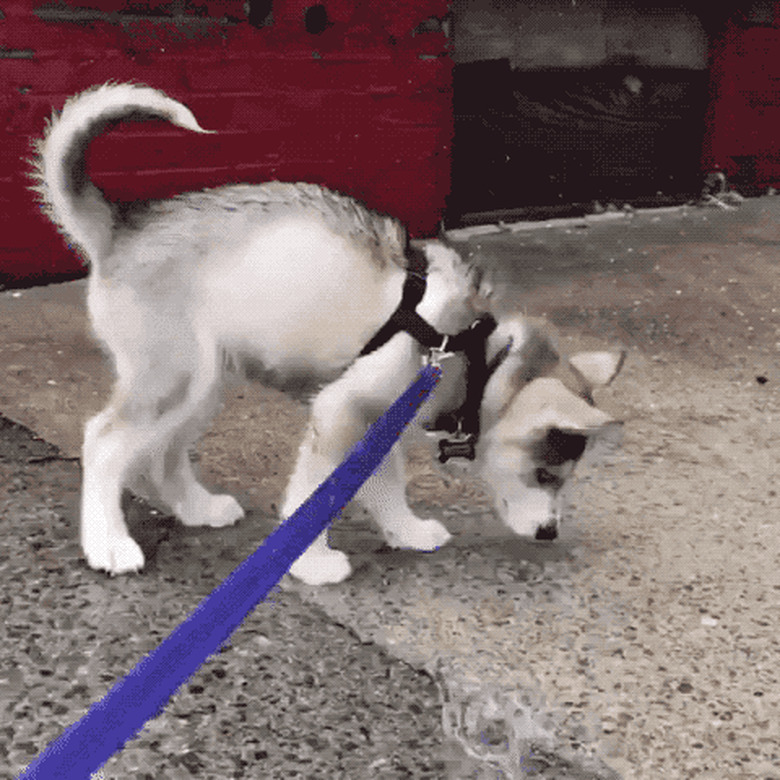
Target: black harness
(405, 317)
(464, 421)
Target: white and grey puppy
(291, 280)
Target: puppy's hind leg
(119, 445)
(174, 478)
(193, 504)
(150, 406)
(384, 496)
(105, 539)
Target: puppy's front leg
(384, 496)
(335, 425)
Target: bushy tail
(73, 203)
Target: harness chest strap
(471, 342)
(405, 318)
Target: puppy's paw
(216, 511)
(416, 534)
(315, 567)
(224, 510)
(119, 555)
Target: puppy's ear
(538, 353)
(519, 351)
(484, 283)
(523, 348)
(598, 368)
(545, 404)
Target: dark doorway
(560, 141)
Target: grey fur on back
(384, 237)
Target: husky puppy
(289, 281)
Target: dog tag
(458, 447)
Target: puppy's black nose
(547, 532)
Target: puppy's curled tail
(73, 203)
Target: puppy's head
(538, 419)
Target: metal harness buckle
(437, 354)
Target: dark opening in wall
(259, 12)
(563, 105)
(560, 140)
(316, 19)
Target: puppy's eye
(547, 478)
(558, 447)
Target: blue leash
(143, 693)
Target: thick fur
(290, 281)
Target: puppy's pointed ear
(598, 368)
(519, 350)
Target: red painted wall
(363, 108)
(743, 123)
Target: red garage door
(744, 116)
(355, 96)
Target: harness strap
(405, 319)
(471, 342)
(476, 374)
(405, 316)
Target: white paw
(224, 510)
(216, 511)
(321, 568)
(416, 534)
(119, 555)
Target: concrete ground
(640, 644)
(271, 704)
